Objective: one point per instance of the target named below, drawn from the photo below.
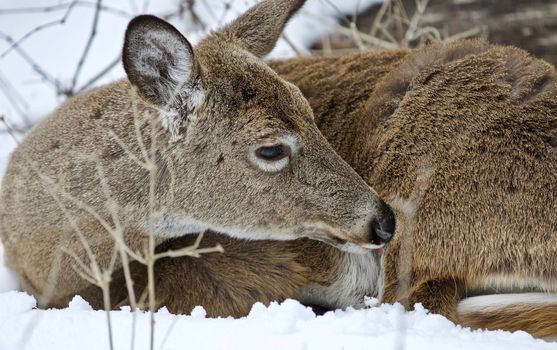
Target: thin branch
(357, 35)
(168, 331)
(87, 47)
(39, 28)
(339, 13)
(15, 99)
(119, 232)
(100, 74)
(83, 273)
(472, 32)
(127, 150)
(138, 134)
(367, 38)
(53, 8)
(189, 251)
(80, 265)
(379, 17)
(91, 211)
(9, 129)
(296, 50)
(34, 65)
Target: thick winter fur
(531, 312)
(228, 284)
(461, 140)
(193, 118)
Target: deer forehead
(232, 67)
(249, 91)
(249, 106)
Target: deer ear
(160, 62)
(259, 28)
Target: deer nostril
(382, 230)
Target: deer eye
(273, 153)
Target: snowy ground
(285, 326)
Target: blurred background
(528, 24)
(53, 49)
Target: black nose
(383, 229)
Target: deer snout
(375, 232)
(382, 229)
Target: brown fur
(539, 321)
(202, 113)
(325, 81)
(458, 139)
(227, 284)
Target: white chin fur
(357, 249)
(371, 246)
(254, 235)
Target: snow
(289, 325)
(279, 326)
(8, 278)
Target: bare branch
(127, 150)
(100, 74)
(46, 9)
(287, 40)
(190, 251)
(343, 18)
(34, 65)
(87, 47)
(16, 100)
(82, 273)
(38, 28)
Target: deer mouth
(362, 248)
(341, 240)
(372, 234)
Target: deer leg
(439, 296)
(409, 286)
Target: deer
(196, 138)
(460, 140)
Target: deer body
(460, 140)
(198, 138)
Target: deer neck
(339, 89)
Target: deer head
(249, 160)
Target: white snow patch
(289, 325)
(79, 304)
(8, 278)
